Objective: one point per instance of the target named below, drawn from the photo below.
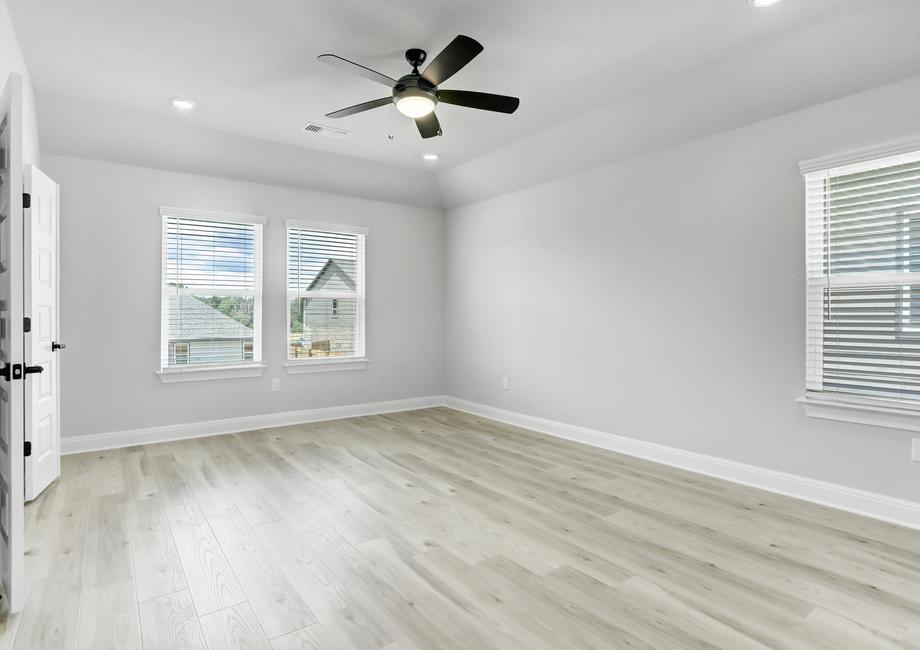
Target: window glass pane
(872, 341)
(325, 293)
(322, 327)
(212, 280)
(209, 328)
(210, 254)
(321, 261)
(873, 220)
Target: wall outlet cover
(276, 385)
(915, 450)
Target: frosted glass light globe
(414, 106)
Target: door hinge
(26, 325)
(26, 200)
(27, 448)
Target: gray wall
(11, 61)
(659, 298)
(110, 253)
(662, 298)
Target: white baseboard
(861, 502)
(116, 439)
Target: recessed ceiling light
(762, 4)
(182, 103)
(430, 156)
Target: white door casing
(42, 390)
(12, 524)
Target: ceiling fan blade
(428, 126)
(360, 108)
(457, 54)
(482, 101)
(357, 68)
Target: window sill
(325, 365)
(906, 419)
(175, 375)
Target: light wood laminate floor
(436, 529)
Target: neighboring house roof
(193, 320)
(335, 274)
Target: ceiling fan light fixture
(417, 94)
(415, 106)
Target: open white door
(11, 345)
(42, 349)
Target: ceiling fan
(416, 94)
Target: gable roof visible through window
(192, 320)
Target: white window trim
(879, 412)
(858, 156)
(254, 368)
(207, 373)
(839, 410)
(211, 215)
(326, 227)
(326, 364)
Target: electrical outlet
(915, 451)
(276, 385)
(506, 383)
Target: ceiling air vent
(329, 132)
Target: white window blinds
(212, 286)
(863, 281)
(325, 290)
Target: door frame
(12, 460)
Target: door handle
(14, 371)
(29, 370)
(55, 346)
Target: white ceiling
(252, 67)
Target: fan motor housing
(413, 85)
(416, 56)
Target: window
(863, 282)
(212, 290)
(325, 289)
(179, 353)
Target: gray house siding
(210, 351)
(328, 324)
